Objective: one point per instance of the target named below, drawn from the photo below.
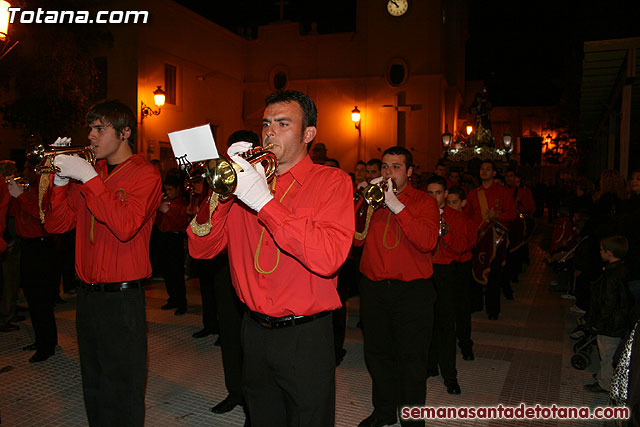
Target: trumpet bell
(44, 159)
(374, 194)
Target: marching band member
(286, 241)
(451, 245)
(38, 273)
(490, 208)
(397, 293)
(112, 208)
(457, 200)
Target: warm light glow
(355, 115)
(447, 139)
(4, 19)
(469, 129)
(507, 142)
(158, 96)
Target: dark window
(170, 84)
(280, 80)
(397, 74)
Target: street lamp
(158, 98)
(5, 41)
(507, 141)
(447, 138)
(469, 129)
(355, 118)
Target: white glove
(363, 184)
(15, 189)
(239, 147)
(62, 142)
(377, 180)
(252, 188)
(391, 200)
(60, 181)
(74, 167)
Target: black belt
(283, 322)
(111, 287)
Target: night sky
(528, 53)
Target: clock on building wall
(397, 7)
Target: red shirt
(452, 245)
(524, 200)
(399, 246)
(499, 198)
(175, 219)
(113, 215)
(5, 197)
(284, 259)
(28, 225)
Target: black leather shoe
(468, 355)
(169, 306)
(9, 327)
(453, 387)
(205, 332)
(595, 388)
(340, 356)
(374, 420)
(432, 372)
(41, 356)
(30, 347)
(226, 405)
(180, 311)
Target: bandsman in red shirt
(452, 243)
(457, 200)
(112, 208)
(490, 209)
(397, 294)
(286, 241)
(171, 222)
(38, 271)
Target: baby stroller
(583, 348)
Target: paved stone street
(523, 357)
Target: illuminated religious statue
(481, 107)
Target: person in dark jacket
(608, 313)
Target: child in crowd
(609, 309)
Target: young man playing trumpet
(397, 294)
(112, 207)
(286, 240)
(451, 244)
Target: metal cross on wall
(401, 111)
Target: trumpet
(374, 193)
(24, 182)
(44, 158)
(222, 175)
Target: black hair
(491, 162)
(334, 161)
(309, 111)
(360, 162)
(459, 191)
(116, 114)
(244, 135)
(375, 162)
(400, 151)
(436, 179)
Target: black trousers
(289, 374)
(397, 318)
(171, 255)
(206, 271)
(112, 342)
(40, 282)
(442, 352)
(230, 312)
(463, 283)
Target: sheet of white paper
(197, 143)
